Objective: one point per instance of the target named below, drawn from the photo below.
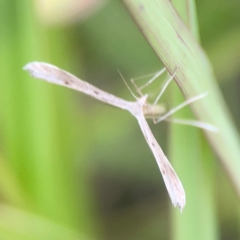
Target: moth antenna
(136, 87)
(127, 85)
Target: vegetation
(73, 168)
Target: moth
(138, 109)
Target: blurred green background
(74, 168)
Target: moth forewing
(53, 74)
(171, 180)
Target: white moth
(138, 108)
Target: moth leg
(194, 123)
(154, 77)
(180, 106)
(165, 86)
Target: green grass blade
(176, 47)
(37, 132)
(193, 161)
